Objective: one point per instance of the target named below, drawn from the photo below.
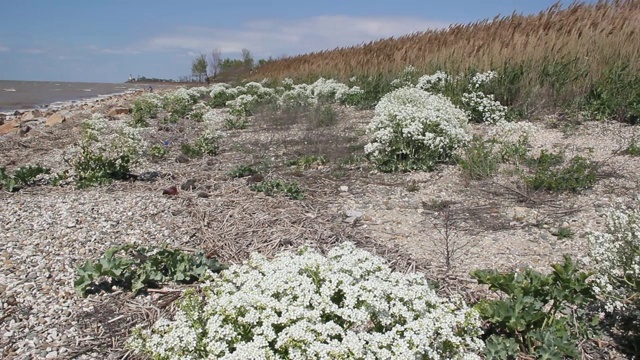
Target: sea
(25, 95)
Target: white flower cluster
(407, 77)
(218, 88)
(435, 82)
(326, 89)
(480, 79)
(297, 96)
(415, 122)
(287, 82)
(347, 305)
(484, 108)
(242, 105)
(153, 98)
(615, 257)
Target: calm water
(21, 95)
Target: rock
(118, 111)
(171, 191)
(24, 129)
(255, 178)
(344, 188)
(353, 213)
(188, 185)
(55, 119)
(182, 159)
(3, 117)
(149, 176)
(9, 127)
(351, 220)
(31, 115)
(17, 113)
(203, 194)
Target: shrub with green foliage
(551, 174)
(208, 143)
(480, 159)
(415, 130)
(143, 267)
(243, 171)
(23, 176)
(345, 305)
(277, 186)
(144, 108)
(539, 315)
(105, 154)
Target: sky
(107, 40)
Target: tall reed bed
(585, 55)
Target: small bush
(577, 175)
(632, 150)
(322, 116)
(563, 233)
(143, 267)
(307, 161)
(347, 305)
(480, 160)
(158, 151)
(143, 109)
(415, 130)
(208, 143)
(243, 171)
(232, 122)
(24, 176)
(272, 187)
(542, 315)
(101, 156)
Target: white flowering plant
(435, 83)
(415, 130)
(346, 305)
(408, 77)
(615, 258)
(178, 103)
(105, 152)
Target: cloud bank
(277, 37)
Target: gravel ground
(47, 232)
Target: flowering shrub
(178, 103)
(415, 130)
(615, 257)
(103, 154)
(408, 77)
(484, 108)
(434, 83)
(242, 105)
(347, 305)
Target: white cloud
(111, 51)
(276, 37)
(33, 51)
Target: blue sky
(106, 40)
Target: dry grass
(595, 35)
(546, 61)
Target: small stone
(54, 120)
(353, 213)
(52, 355)
(351, 220)
(32, 275)
(149, 176)
(188, 185)
(203, 194)
(118, 111)
(170, 191)
(544, 236)
(344, 188)
(182, 159)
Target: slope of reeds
(581, 53)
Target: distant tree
(215, 58)
(199, 67)
(247, 58)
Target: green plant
(142, 267)
(208, 143)
(143, 110)
(577, 175)
(158, 151)
(413, 186)
(95, 168)
(539, 315)
(563, 233)
(272, 187)
(24, 176)
(632, 150)
(306, 161)
(322, 116)
(243, 171)
(237, 122)
(480, 160)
